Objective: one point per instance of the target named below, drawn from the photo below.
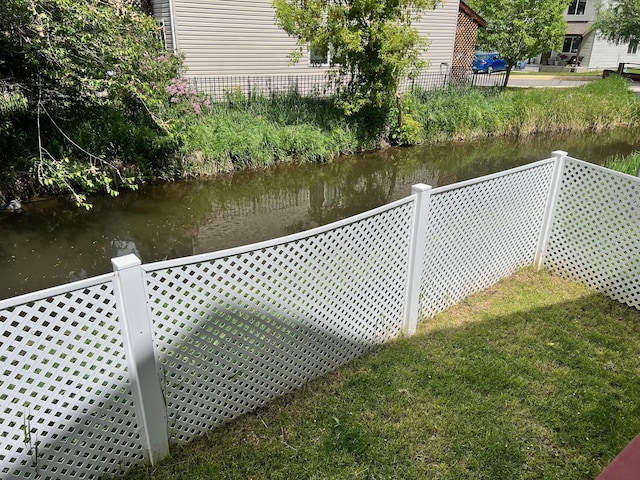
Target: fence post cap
(125, 261)
(559, 153)
(420, 187)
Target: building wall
(162, 12)
(589, 12)
(439, 28)
(598, 53)
(240, 37)
(607, 55)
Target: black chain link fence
(318, 85)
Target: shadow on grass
(534, 378)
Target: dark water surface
(54, 242)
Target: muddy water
(54, 242)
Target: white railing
(105, 373)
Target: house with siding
(240, 37)
(595, 52)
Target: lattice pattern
(236, 332)
(595, 236)
(465, 43)
(481, 233)
(66, 409)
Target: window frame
(327, 57)
(573, 39)
(575, 6)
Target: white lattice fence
(240, 329)
(207, 338)
(481, 231)
(66, 408)
(595, 235)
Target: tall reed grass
(258, 131)
(629, 164)
(467, 114)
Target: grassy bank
(534, 378)
(629, 164)
(288, 128)
(472, 113)
(241, 132)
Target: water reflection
(53, 243)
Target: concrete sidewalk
(550, 80)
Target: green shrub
(410, 133)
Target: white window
(577, 7)
(320, 57)
(633, 47)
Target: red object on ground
(626, 466)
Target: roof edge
(469, 11)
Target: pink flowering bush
(186, 99)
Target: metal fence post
(547, 219)
(135, 321)
(422, 193)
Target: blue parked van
(488, 62)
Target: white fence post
(135, 321)
(552, 199)
(416, 256)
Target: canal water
(54, 242)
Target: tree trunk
(507, 75)
(400, 111)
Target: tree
(373, 45)
(92, 62)
(518, 29)
(619, 21)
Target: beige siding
(232, 37)
(589, 12)
(162, 12)
(239, 37)
(439, 28)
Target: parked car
(488, 62)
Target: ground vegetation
(200, 137)
(261, 131)
(82, 94)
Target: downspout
(174, 36)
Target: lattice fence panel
(480, 233)
(239, 331)
(66, 410)
(595, 236)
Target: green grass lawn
(535, 377)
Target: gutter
(174, 36)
